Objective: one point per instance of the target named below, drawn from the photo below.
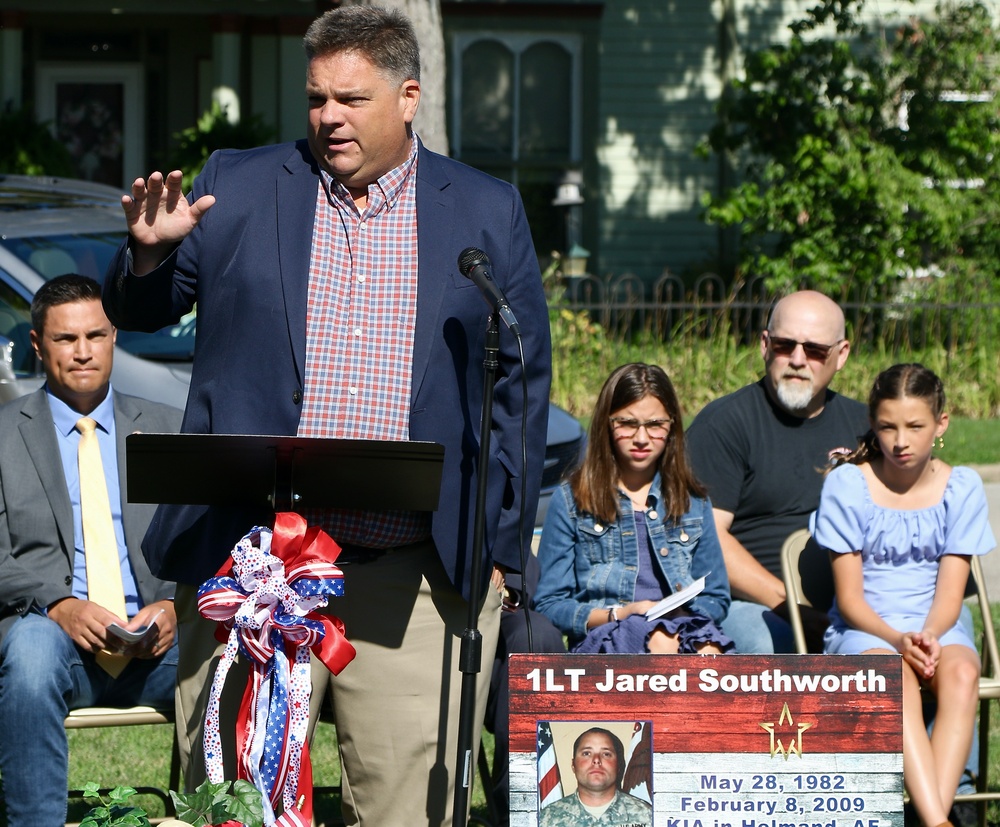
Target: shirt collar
(654, 495)
(65, 417)
(387, 189)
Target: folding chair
(99, 716)
(989, 690)
(809, 582)
(805, 568)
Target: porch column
(226, 45)
(11, 58)
(292, 107)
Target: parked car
(51, 226)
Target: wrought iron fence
(918, 313)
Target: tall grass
(704, 367)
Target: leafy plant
(867, 155)
(27, 147)
(212, 803)
(576, 339)
(113, 811)
(214, 131)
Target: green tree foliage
(214, 131)
(859, 163)
(28, 147)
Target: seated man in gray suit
(70, 563)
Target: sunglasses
(813, 350)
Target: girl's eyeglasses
(626, 428)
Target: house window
(515, 113)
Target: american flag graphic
(638, 763)
(549, 783)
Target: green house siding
(659, 81)
(662, 69)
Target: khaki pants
(396, 705)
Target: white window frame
(128, 75)
(518, 43)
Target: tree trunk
(430, 123)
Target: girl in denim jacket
(631, 526)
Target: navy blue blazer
(246, 265)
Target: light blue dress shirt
(68, 438)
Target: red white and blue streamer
(265, 602)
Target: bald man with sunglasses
(761, 451)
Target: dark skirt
(629, 636)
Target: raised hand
(159, 218)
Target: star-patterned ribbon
(265, 602)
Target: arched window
(516, 114)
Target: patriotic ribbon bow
(265, 602)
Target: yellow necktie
(100, 547)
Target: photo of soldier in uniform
(595, 773)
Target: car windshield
(89, 254)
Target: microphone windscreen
(469, 258)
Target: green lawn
(972, 442)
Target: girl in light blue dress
(901, 526)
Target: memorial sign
(726, 741)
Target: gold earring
(939, 443)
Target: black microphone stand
(470, 658)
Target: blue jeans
(756, 630)
(43, 675)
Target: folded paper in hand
(672, 601)
(127, 636)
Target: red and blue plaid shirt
(362, 309)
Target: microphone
(475, 265)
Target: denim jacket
(588, 564)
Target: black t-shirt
(766, 466)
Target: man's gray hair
(384, 36)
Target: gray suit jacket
(36, 518)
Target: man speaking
(330, 305)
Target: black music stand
(284, 473)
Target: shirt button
(357, 331)
(352, 391)
(361, 279)
(652, 515)
(678, 587)
(664, 551)
(296, 397)
(684, 537)
(69, 580)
